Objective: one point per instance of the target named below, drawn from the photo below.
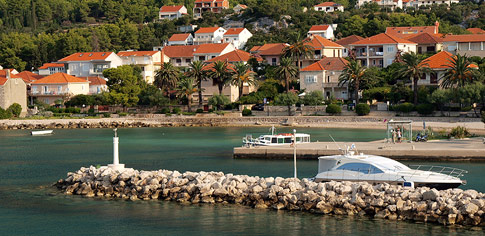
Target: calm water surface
(29, 165)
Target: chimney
(8, 73)
(437, 27)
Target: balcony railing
(47, 93)
(330, 85)
(376, 54)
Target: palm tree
(167, 77)
(414, 67)
(186, 87)
(242, 75)
(459, 72)
(196, 71)
(299, 50)
(221, 74)
(286, 71)
(352, 74)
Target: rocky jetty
(447, 207)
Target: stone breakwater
(447, 207)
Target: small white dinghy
(41, 132)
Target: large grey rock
(431, 195)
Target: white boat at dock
(377, 169)
(274, 139)
(41, 132)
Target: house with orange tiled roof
(438, 63)
(469, 44)
(97, 84)
(215, 6)
(209, 35)
(270, 52)
(419, 3)
(12, 90)
(392, 4)
(323, 76)
(51, 68)
(171, 12)
(239, 7)
(29, 77)
(84, 64)
(206, 52)
(237, 37)
(408, 30)
(381, 50)
(322, 48)
(328, 7)
(58, 86)
(149, 61)
(476, 31)
(345, 42)
(181, 39)
(231, 91)
(180, 56)
(325, 31)
(426, 42)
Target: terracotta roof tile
(94, 80)
(327, 63)
(465, 38)
(242, 6)
(234, 56)
(211, 48)
(3, 75)
(87, 56)
(349, 40)
(178, 37)
(319, 27)
(234, 31)
(318, 41)
(59, 78)
(411, 30)
(28, 76)
(170, 8)
(50, 65)
(179, 51)
(425, 38)
(269, 49)
(441, 60)
(382, 38)
(136, 53)
(476, 30)
(207, 30)
(327, 4)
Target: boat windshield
(361, 167)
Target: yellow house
(149, 61)
(12, 90)
(58, 86)
(322, 48)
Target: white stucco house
(84, 64)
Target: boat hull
(438, 186)
(41, 132)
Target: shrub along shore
(447, 207)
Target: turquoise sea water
(30, 206)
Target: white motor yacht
(41, 132)
(378, 169)
(274, 139)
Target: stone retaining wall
(447, 207)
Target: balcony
(96, 71)
(49, 93)
(330, 85)
(376, 54)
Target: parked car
(258, 107)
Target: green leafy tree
(243, 75)
(124, 84)
(5, 114)
(458, 73)
(15, 109)
(80, 100)
(286, 99)
(219, 101)
(286, 72)
(221, 74)
(414, 67)
(351, 75)
(197, 72)
(441, 97)
(187, 87)
(314, 98)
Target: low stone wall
(447, 207)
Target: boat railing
(450, 171)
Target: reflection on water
(29, 165)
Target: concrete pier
(435, 150)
